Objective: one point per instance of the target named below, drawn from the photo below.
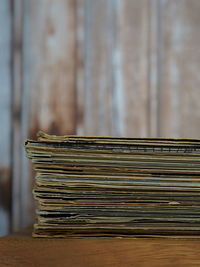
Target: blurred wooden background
(92, 67)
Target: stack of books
(115, 187)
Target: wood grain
(133, 39)
(153, 67)
(5, 116)
(116, 68)
(98, 67)
(22, 250)
(180, 63)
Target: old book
(119, 187)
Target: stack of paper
(120, 187)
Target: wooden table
(21, 249)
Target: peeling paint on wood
(51, 66)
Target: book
(115, 187)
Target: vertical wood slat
(49, 76)
(134, 49)
(17, 142)
(153, 67)
(98, 67)
(5, 116)
(117, 78)
(79, 66)
(180, 58)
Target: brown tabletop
(21, 249)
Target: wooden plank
(17, 141)
(179, 68)
(98, 67)
(117, 74)
(133, 38)
(153, 67)
(22, 250)
(49, 76)
(5, 116)
(79, 65)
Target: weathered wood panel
(5, 116)
(116, 68)
(49, 75)
(179, 68)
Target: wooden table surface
(21, 249)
